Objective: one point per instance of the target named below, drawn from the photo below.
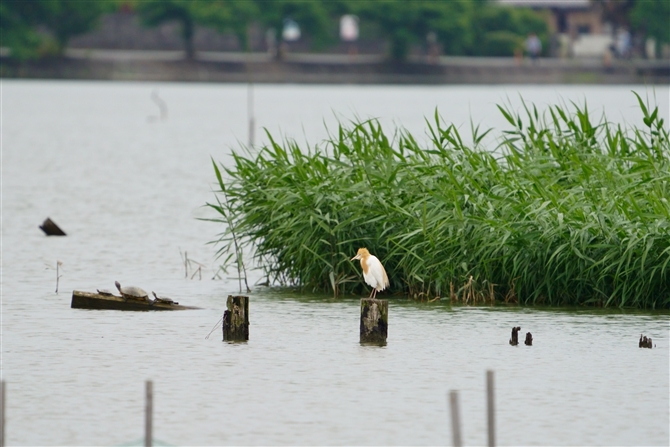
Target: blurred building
(576, 26)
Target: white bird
(373, 271)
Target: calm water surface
(128, 190)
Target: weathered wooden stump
(236, 319)
(529, 339)
(374, 320)
(515, 336)
(51, 229)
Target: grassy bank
(564, 211)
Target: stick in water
(214, 328)
(455, 419)
(58, 264)
(148, 416)
(490, 408)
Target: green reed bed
(562, 212)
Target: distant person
(623, 44)
(533, 46)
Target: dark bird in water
(515, 336)
(529, 339)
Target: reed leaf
(562, 211)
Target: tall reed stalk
(564, 211)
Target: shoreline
(170, 66)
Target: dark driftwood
(87, 300)
(236, 319)
(374, 320)
(515, 336)
(51, 229)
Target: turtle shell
(133, 292)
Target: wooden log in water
(515, 336)
(87, 300)
(51, 229)
(529, 339)
(236, 319)
(374, 321)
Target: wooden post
(374, 321)
(51, 229)
(148, 415)
(490, 408)
(455, 418)
(236, 319)
(2, 415)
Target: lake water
(128, 190)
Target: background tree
(69, 18)
(315, 18)
(652, 17)
(405, 23)
(17, 27)
(19, 20)
(221, 15)
(463, 27)
(500, 31)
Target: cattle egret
(373, 271)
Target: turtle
(133, 293)
(163, 299)
(106, 292)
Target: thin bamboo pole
(148, 415)
(2, 415)
(490, 408)
(455, 419)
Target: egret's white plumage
(373, 271)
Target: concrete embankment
(330, 69)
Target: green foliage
(653, 17)
(501, 43)
(565, 211)
(315, 18)
(70, 18)
(64, 19)
(222, 15)
(17, 21)
(405, 23)
(498, 31)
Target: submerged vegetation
(562, 212)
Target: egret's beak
(355, 257)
